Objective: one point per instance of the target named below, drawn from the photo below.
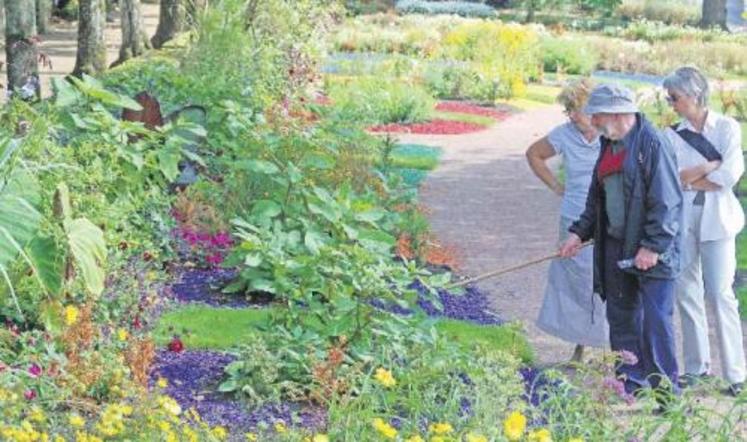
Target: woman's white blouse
(723, 216)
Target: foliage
(567, 55)
(652, 31)
(379, 100)
(667, 11)
(461, 8)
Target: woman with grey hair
(708, 148)
(568, 308)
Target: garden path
(484, 200)
(60, 45)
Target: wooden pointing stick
(499, 272)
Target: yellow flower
(71, 314)
(122, 334)
(220, 432)
(415, 438)
(541, 435)
(514, 426)
(76, 421)
(438, 439)
(251, 437)
(58, 438)
(169, 405)
(280, 427)
(162, 383)
(472, 437)
(384, 377)
(384, 428)
(441, 428)
(576, 439)
(37, 415)
(320, 438)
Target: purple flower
(614, 384)
(35, 370)
(628, 357)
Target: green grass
(499, 338)
(202, 327)
(742, 297)
(415, 156)
(464, 118)
(209, 327)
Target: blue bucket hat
(611, 99)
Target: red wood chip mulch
(439, 127)
(467, 108)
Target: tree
(714, 14)
(134, 40)
(21, 48)
(171, 20)
(91, 57)
(43, 13)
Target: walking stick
(498, 272)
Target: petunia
(35, 370)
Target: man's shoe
(736, 388)
(688, 380)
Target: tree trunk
(91, 57)
(2, 15)
(171, 21)
(21, 50)
(134, 40)
(714, 14)
(43, 14)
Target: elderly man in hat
(634, 214)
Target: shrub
(380, 101)
(464, 9)
(569, 55)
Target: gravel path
(485, 201)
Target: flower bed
(433, 127)
(472, 109)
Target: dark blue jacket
(653, 205)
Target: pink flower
(214, 259)
(628, 357)
(35, 370)
(615, 385)
(29, 394)
(221, 239)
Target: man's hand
(570, 247)
(645, 259)
(706, 185)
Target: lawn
(203, 327)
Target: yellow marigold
(514, 426)
(441, 428)
(251, 437)
(219, 433)
(76, 421)
(162, 383)
(280, 427)
(384, 377)
(541, 435)
(122, 334)
(472, 437)
(320, 438)
(414, 438)
(71, 314)
(58, 438)
(384, 428)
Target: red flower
(136, 323)
(29, 394)
(437, 126)
(176, 345)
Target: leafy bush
(377, 100)
(652, 31)
(461, 8)
(569, 55)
